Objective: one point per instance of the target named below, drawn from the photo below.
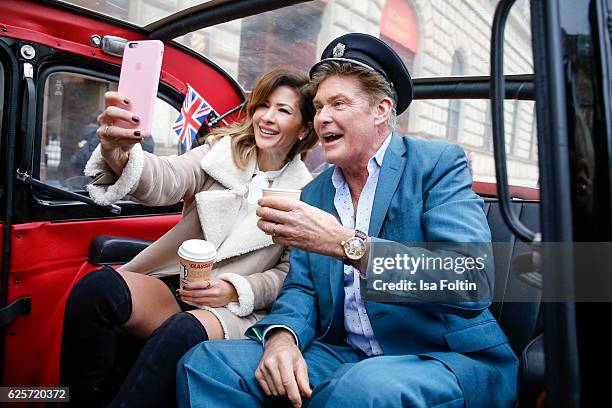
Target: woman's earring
(301, 138)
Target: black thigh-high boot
(152, 380)
(97, 306)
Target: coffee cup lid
(197, 250)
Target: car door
(8, 118)
(62, 56)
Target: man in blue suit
(325, 342)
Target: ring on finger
(106, 130)
(274, 230)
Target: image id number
(33, 394)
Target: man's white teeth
(329, 135)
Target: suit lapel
(388, 180)
(334, 267)
(327, 194)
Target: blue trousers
(221, 374)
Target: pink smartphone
(139, 80)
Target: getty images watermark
(466, 272)
(409, 265)
(429, 272)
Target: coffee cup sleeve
(246, 298)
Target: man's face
(345, 122)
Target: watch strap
(362, 235)
(348, 261)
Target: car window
(72, 103)
(470, 121)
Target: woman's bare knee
(210, 322)
(152, 303)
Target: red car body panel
(47, 259)
(490, 190)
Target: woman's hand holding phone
(116, 141)
(120, 127)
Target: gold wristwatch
(354, 247)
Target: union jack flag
(193, 113)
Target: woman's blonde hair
(243, 137)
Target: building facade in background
(433, 37)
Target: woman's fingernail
(135, 118)
(126, 101)
(137, 133)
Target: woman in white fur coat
(220, 183)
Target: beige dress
(215, 208)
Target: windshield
(138, 12)
(435, 38)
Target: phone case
(139, 80)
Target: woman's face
(277, 122)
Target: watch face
(354, 248)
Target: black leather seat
(109, 250)
(520, 320)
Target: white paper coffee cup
(282, 192)
(196, 259)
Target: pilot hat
(370, 52)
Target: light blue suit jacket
(424, 194)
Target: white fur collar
(217, 209)
(218, 164)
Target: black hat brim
(370, 52)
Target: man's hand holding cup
(296, 224)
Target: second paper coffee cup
(196, 258)
(282, 192)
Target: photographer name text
(424, 285)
